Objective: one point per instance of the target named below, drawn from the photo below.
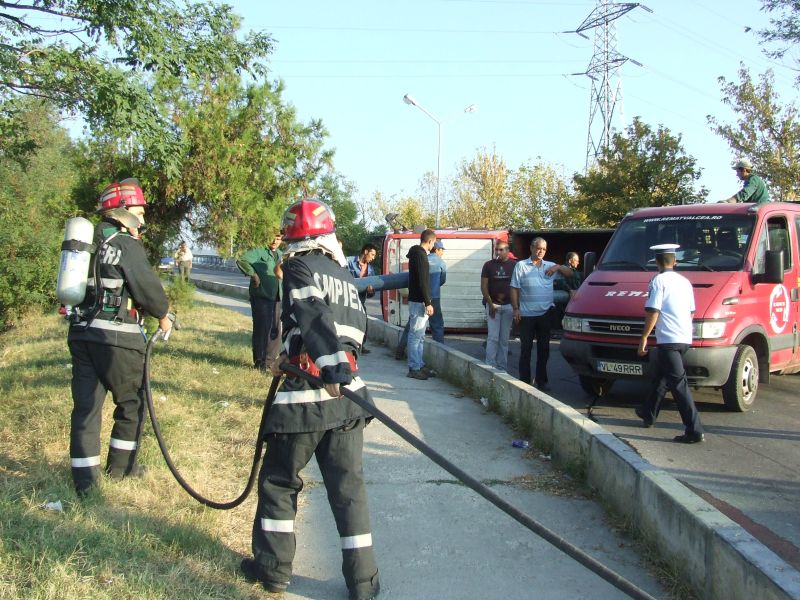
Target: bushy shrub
(180, 294)
(28, 269)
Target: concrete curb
(718, 558)
(226, 289)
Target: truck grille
(612, 327)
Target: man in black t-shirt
(496, 290)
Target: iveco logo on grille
(622, 328)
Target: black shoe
(542, 387)
(689, 438)
(428, 371)
(364, 350)
(417, 374)
(366, 590)
(646, 420)
(253, 572)
(137, 471)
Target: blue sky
(350, 62)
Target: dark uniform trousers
(97, 369)
(530, 329)
(339, 455)
(266, 330)
(671, 376)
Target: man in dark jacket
(107, 342)
(323, 329)
(259, 264)
(420, 303)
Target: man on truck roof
(754, 189)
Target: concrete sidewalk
(434, 537)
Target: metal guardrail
(210, 261)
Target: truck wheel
(594, 386)
(739, 392)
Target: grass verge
(132, 539)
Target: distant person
(183, 258)
(753, 187)
(262, 266)
(532, 304)
(420, 303)
(669, 309)
(496, 289)
(438, 276)
(361, 266)
(566, 284)
(573, 282)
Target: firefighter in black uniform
(106, 339)
(323, 329)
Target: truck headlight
(571, 324)
(708, 330)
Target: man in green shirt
(261, 265)
(754, 188)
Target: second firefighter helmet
(306, 219)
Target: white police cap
(665, 248)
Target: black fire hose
(615, 579)
(159, 334)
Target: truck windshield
(707, 242)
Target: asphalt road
(748, 466)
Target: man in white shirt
(669, 309)
(532, 304)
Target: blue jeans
(418, 322)
(436, 323)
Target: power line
(423, 61)
(411, 30)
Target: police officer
(323, 329)
(106, 339)
(669, 309)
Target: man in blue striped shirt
(532, 304)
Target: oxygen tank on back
(76, 254)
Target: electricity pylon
(604, 71)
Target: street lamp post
(411, 101)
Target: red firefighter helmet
(307, 219)
(124, 194)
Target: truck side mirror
(589, 263)
(773, 267)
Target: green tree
(766, 131)
(337, 192)
(639, 168)
(784, 33)
(541, 197)
(480, 190)
(245, 158)
(99, 59)
(35, 200)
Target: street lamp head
(409, 99)
(471, 108)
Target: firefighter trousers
(96, 370)
(339, 456)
